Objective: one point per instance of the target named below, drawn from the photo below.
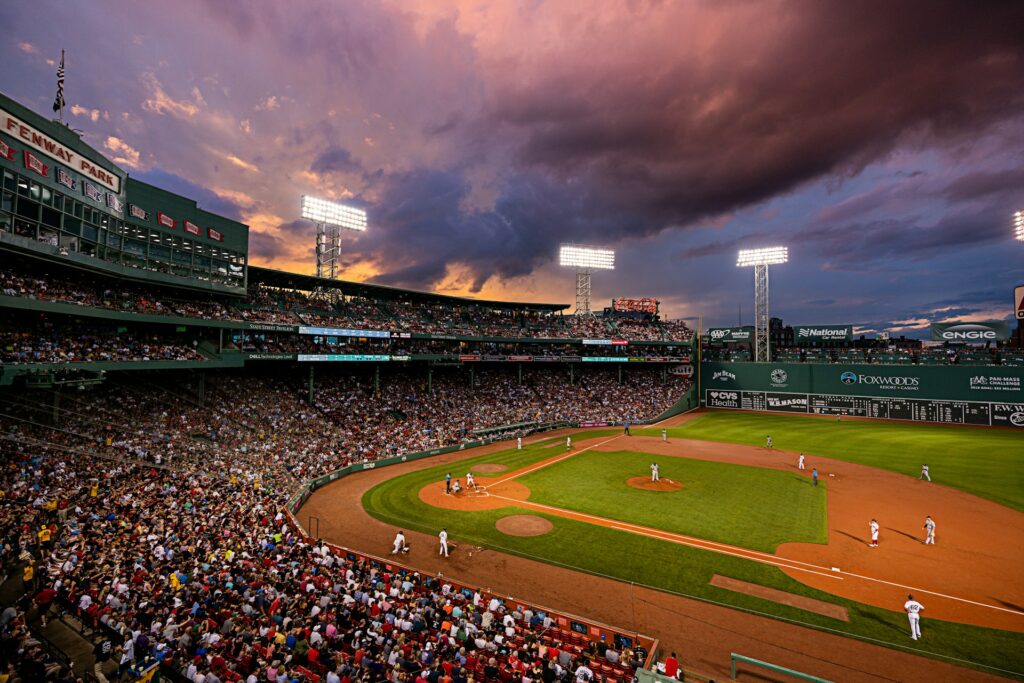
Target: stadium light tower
(1018, 225)
(760, 259)
(585, 260)
(330, 218)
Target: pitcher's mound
(523, 525)
(646, 484)
(489, 468)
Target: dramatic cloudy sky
(882, 141)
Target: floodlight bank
(332, 213)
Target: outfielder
(443, 537)
(654, 472)
(914, 609)
(929, 530)
(924, 473)
(399, 545)
(519, 443)
(568, 443)
(768, 444)
(874, 533)
(800, 463)
(664, 435)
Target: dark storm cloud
(207, 200)
(335, 160)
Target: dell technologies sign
(995, 330)
(891, 382)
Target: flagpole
(58, 102)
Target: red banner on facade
(214, 235)
(166, 221)
(6, 151)
(34, 163)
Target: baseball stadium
(221, 471)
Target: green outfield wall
(980, 395)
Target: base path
(705, 634)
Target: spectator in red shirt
(672, 666)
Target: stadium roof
(308, 283)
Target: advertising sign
(1018, 301)
(730, 335)
(823, 333)
(344, 332)
(644, 305)
(990, 330)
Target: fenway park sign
(24, 133)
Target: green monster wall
(982, 395)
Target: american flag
(58, 102)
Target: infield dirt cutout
(523, 525)
(662, 485)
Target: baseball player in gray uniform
(929, 530)
(914, 609)
(924, 473)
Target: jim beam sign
(21, 131)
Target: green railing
(774, 667)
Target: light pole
(330, 218)
(760, 259)
(585, 260)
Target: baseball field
(733, 523)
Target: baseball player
(519, 443)
(470, 481)
(914, 609)
(874, 533)
(654, 472)
(625, 431)
(800, 463)
(814, 475)
(399, 544)
(929, 530)
(768, 444)
(448, 483)
(568, 443)
(443, 537)
(664, 435)
(924, 473)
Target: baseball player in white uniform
(874, 533)
(519, 443)
(654, 472)
(914, 609)
(399, 545)
(924, 473)
(768, 444)
(470, 481)
(929, 530)
(443, 537)
(568, 443)
(664, 435)
(800, 463)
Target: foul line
(743, 553)
(546, 463)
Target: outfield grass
(721, 502)
(985, 462)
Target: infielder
(874, 533)
(914, 609)
(399, 545)
(924, 473)
(929, 530)
(443, 537)
(769, 442)
(568, 443)
(470, 481)
(664, 435)
(519, 443)
(800, 463)
(654, 472)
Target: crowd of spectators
(158, 523)
(18, 346)
(288, 307)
